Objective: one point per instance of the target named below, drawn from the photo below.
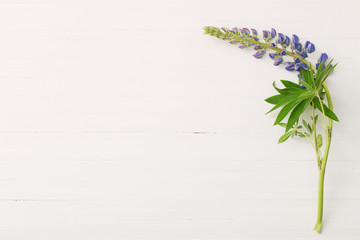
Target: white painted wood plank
(121, 120)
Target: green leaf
(285, 137)
(309, 87)
(289, 84)
(327, 110)
(295, 114)
(289, 90)
(307, 126)
(286, 109)
(275, 99)
(282, 124)
(284, 101)
(308, 76)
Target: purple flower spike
(273, 33)
(278, 61)
(255, 33)
(290, 67)
(283, 53)
(245, 31)
(295, 39)
(310, 48)
(303, 54)
(272, 55)
(307, 44)
(259, 54)
(323, 58)
(281, 38)
(287, 41)
(265, 34)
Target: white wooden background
(121, 120)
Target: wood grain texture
(121, 120)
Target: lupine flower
(310, 48)
(295, 39)
(281, 38)
(278, 61)
(255, 33)
(272, 55)
(273, 33)
(323, 58)
(259, 54)
(246, 38)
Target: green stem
(323, 165)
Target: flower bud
(307, 44)
(298, 46)
(243, 46)
(295, 39)
(310, 48)
(304, 66)
(255, 33)
(283, 53)
(303, 54)
(323, 57)
(272, 55)
(297, 60)
(245, 31)
(265, 34)
(290, 67)
(234, 42)
(259, 54)
(272, 45)
(281, 38)
(257, 47)
(278, 61)
(273, 33)
(287, 41)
